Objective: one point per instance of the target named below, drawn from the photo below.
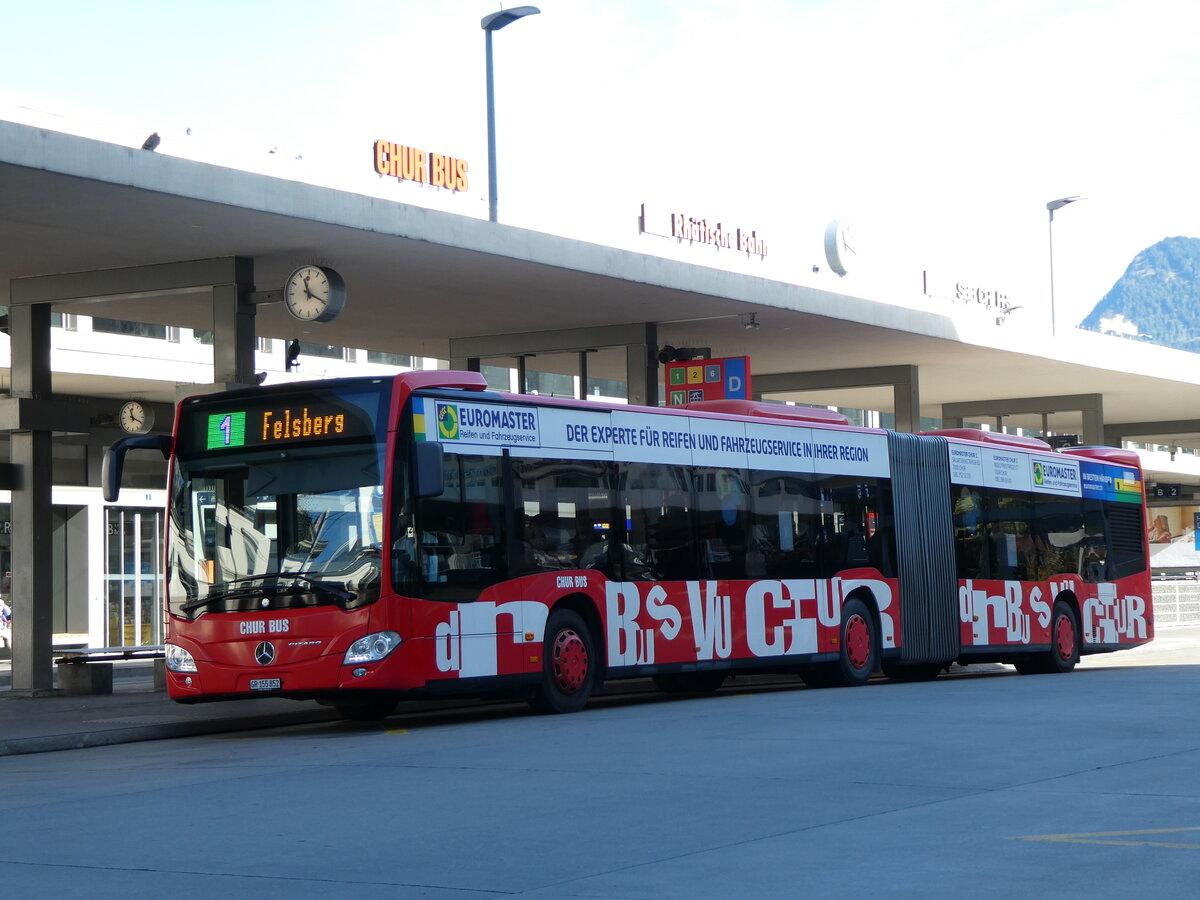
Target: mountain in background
(1156, 299)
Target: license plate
(266, 684)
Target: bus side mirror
(114, 459)
(427, 460)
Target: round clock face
(136, 418)
(314, 293)
(840, 251)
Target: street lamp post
(489, 23)
(1051, 207)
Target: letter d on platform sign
(737, 378)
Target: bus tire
(1064, 645)
(568, 665)
(858, 655)
(859, 646)
(1064, 638)
(368, 709)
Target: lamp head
(497, 20)
(1061, 202)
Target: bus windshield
(268, 521)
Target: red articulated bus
(362, 540)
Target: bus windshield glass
(277, 501)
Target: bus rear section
(1051, 551)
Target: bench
(89, 670)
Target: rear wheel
(858, 654)
(1064, 638)
(568, 665)
(1064, 644)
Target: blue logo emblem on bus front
(447, 421)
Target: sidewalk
(134, 711)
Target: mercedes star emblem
(264, 653)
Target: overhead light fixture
(1005, 313)
(750, 322)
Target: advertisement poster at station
(1174, 535)
(726, 378)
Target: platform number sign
(727, 378)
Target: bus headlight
(371, 648)
(178, 659)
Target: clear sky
(938, 128)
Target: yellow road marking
(1097, 837)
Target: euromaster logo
(1039, 474)
(447, 420)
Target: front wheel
(568, 665)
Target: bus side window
(461, 532)
(969, 531)
(784, 510)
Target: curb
(106, 737)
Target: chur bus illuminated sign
(406, 163)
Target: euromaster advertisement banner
(627, 436)
(1042, 473)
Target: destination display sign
(281, 420)
(629, 436)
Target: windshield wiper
(226, 591)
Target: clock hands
(308, 290)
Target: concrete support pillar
(233, 327)
(32, 548)
(641, 365)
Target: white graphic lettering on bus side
(468, 642)
(1107, 618)
(1006, 612)
(778, 618)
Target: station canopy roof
(418, 278)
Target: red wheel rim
(1064, 637)
(569, 661)
(858, 641)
